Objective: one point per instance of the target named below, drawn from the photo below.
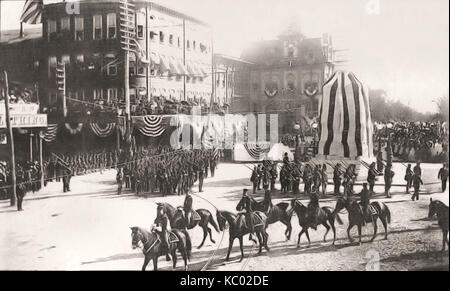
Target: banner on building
(25, 120)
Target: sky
(401, 46)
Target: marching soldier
(317, 177)
(119, 179)
(388, 178)
(337, 176)
(254, 179)
(200, 180)
(408, 178)
(213, 165)
(295, 179)
(417, 182)
(380, 164)
(273, 177)
(418, 170)
(372, 177)
(324, 179)
(443, 176)
(307, 179)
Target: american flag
(32, 11)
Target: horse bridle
(141, 239)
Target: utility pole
(10, 139)
(41, 159)
(128, 33)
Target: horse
(238, 228)
(357, 218)
(151, 246)
(441, 210)
(178, 220)
(277, 213)
(325, 217)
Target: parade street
(88, 229)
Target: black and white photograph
(231, 136)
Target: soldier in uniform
(313, 209)
(295, 179)
(213, 165)
(388, 178)
(249, 216)
(307, 178)
(187, 206)
(443, 176)
(317, 177)
(372, 177)
(365, 200)
(380, 164)
(418, 170)
(119, 179)
(324, 179)
(200, 179)
(273, 177)
(417, 182)
(408, 178)
(162, 224)
(337, 176)
(266, 179)
(66, 180)
(255, 179)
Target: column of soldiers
(28, 179)
(166, 171)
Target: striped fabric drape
(32, 12)
(50, 133)
(103, 131)
(345, 120)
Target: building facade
(287, 76)
(173, 59)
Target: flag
(32, 11)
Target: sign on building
(25, 120)
(20, 108)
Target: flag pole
(21, 30)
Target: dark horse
(325, 217)
(151, 246)
(441, 210)
(274, 213)
(178, 220)
(238, 228)
(357, 218)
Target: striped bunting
(49, 134)
(345, 121)
(32, 12)
(257, 151)
(152, 126)
(103, 132)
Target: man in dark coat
(443, 176)
(408, 178)
(372, 177)
(337, 180)
(162, 224)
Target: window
(194, 45)
(52, 61)
(179, 43)
(51, 27)
(141, 69)
(112, 95)
(97, 33)
(188, 45)
(140, 17)
(79, 28)
(152, 35)
(98, 94)
(132, 64)
(80, 59)
(65, 59)
(161, 37)
(112, 27)
(65, 24)
(171, 39)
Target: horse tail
(333, 216)
(213, 223)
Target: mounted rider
(162, 228)
(313, 209)
(249, 214)
(365, 200)
(187, 207)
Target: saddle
(371, 211)
(195, 216)
(256, 218)
(172, 237)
